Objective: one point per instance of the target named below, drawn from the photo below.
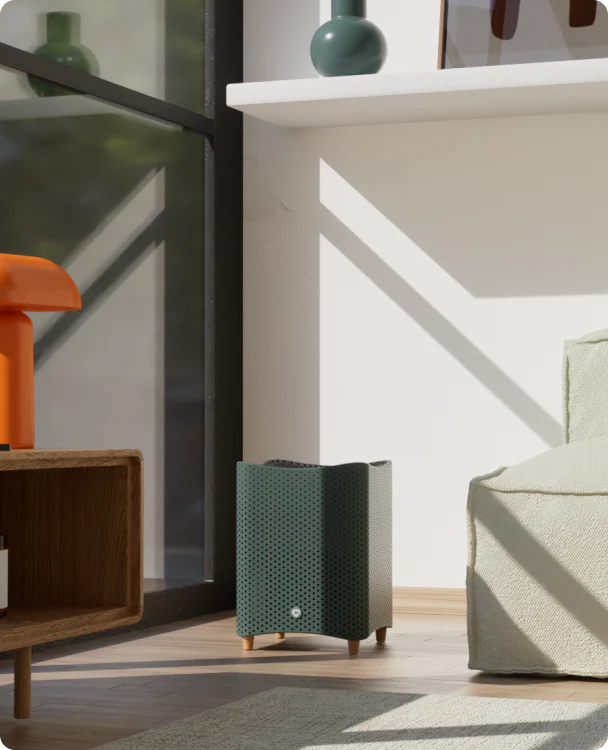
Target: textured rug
(292, 719)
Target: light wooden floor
(102, 691)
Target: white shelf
(456, 94)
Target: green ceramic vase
(349, 44)
(62, 37)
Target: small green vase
(62, 37)
(349, 44)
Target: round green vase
(62, 34)
(349, 44)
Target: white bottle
(3, 575)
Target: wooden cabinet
(74, 526)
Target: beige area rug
(292, 719)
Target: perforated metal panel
(316, 540)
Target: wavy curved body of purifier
(314, 550)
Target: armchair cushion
(537, 581)
(586, 387)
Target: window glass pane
(155, 47)
(118, 200)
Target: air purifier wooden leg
(280, 636)
(353, 647)
(381, 635)
(23, 683)
(248, 643)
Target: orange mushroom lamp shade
(26, 285)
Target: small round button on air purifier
(296, 612)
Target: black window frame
(223, 220)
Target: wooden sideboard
(75, 533)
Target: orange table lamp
(26, 285)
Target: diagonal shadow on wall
(93, 296)
(446, 334)
(499, 205)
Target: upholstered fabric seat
(538, 543)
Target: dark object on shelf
(314, 550)
(62, 46)
(5, 447)
(349, 44)
(505, 16)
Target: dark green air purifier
(314, 550)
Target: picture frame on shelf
(477, 33)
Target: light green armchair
(537, 582)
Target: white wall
(408, 288)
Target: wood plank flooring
(85, 696)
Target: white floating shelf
(456, 94)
